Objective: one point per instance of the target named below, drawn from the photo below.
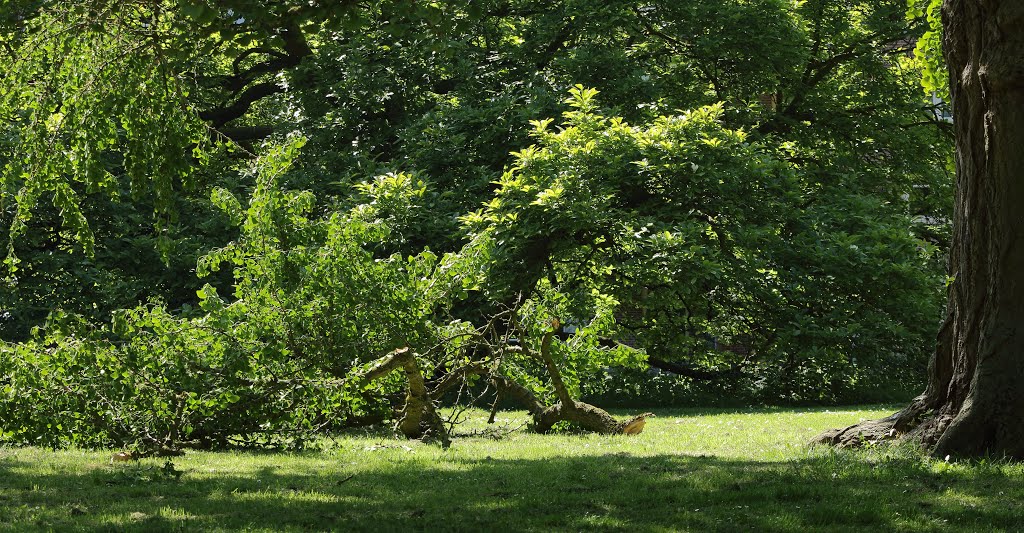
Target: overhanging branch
(295, 49)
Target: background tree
(167, 102)
(703, 234)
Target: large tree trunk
(974, 403)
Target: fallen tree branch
(419, 417)
(582, 414)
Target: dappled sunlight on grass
(712, 471)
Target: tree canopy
(247, 214)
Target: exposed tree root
(921, 421)
(975, 399)
(912, 423)
(941, 420)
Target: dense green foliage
(221, 216)
(935, 77)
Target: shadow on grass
(751, 410)
(611, 492)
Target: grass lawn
(690, 470)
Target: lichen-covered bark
(974, 403)
(416, 399)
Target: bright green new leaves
(699, 236)
(317, 286)
(934, 76)
(267, 365)
(665, 218)
(763, 236)
(88, 96)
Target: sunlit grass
(713, 470)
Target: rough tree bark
(974, 402)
